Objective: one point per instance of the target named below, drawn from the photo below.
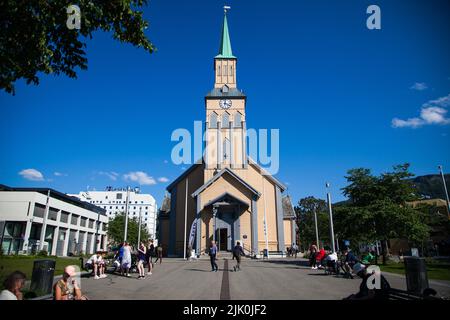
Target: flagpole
(185, 218)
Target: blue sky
(310, 68)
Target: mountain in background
(430, 186)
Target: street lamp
(215, 222)
(139, 231)
(333, 247)
(445, 190)
(317, 229)
(125, 234)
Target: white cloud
(432, 112)
(32, 174)
(419, 86)
(140, 177)
(163, 179)
(112, 175)
(59, 174)
(166, 162)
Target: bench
(281, 253)
(397, 294)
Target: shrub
(42, 253)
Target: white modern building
(114, 202)
(34, 219)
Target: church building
(227, 196)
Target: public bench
(397, 294)
(278, 253)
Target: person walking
(213, 256)
(159, 254)
(142, 250)
(312, 257)
(294, 250)
(237, 253)
(126, 259)
(149, 256)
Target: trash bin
(265, 253)
(42, 277)
(416, 275)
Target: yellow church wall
(195, 181)
(287, 233)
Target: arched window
(231, 71)
(225, 120)
(237, 120)
(213, 121)
(226, 149)
(219, 72)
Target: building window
(74, 220)
(237, 120)
(118, 196)
(64, 217)
(226, 149)
(219, 71)
(213, 121)
(225, 120)
(39, 210)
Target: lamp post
(317, 229)
(215, 222)
(125, 234)
(139, 230)
(445, 190)
(333, 247)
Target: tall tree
(378, 208)
(116, 230)
(305, 220)
(34, 36)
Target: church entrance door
(222, 239)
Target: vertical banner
(192, 233)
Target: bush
(42, 253)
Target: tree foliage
(34, 37)
(116, 229)
(378, 208)
(305, 221)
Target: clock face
(225, 103)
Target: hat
(357, 268)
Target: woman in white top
(13, 284)
(126, 259)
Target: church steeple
(225, 50)
(225, 62)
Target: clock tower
(225, 113)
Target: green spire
(225, 43)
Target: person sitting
(96, 263)
(319, 258)
(349, 262)
(368, 258)
(330, 262)
(13, 285)
(67, 287)
(366, 293)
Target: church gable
(231, 179)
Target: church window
(213, 121)
(231, 70)
(219, 72)
(225, 120)
(226, 149)
(237, 120)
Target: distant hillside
(430, 186)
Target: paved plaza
(275, 279)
